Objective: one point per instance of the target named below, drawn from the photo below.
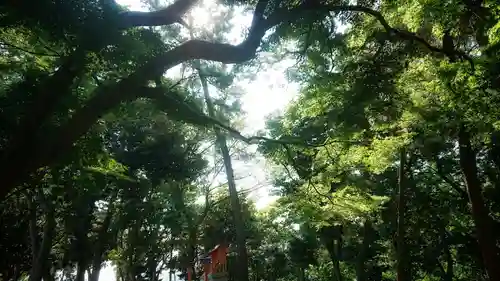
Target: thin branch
(403, 34)
(321, 194)
(26, 50)
(240, 192)
(454, 185)
(289, 173)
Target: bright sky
(267, 92)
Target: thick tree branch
(104, 99)
(226, 53)
(107, 97)
(169, 15)
(49, 92)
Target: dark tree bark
(363, 251)
(402, 255)
(301, 274)
(480, 213)
(80, 271)
(102, 239)
(449, 264)
(42, 252)
(193, 240)
(331, 237)
(47, 275)
(33, 229)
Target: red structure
(214, 263)
(218, 258)
(189, 273)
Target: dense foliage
(386, 164)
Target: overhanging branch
(166, 16)
(225, 53)
(403, 34)
(50, 91)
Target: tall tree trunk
(334, 257)
(33, 229)
(102, 238)
(331, 236)
(84, 212)
(449, 263)
(131, 268)
(242, 261)
(401, 253)
(41, 260)
(47, 274)
(300, 274)
(193, 240)
(80, 271)
(480, 212)
(120, 274)
(363, 250)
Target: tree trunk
(449, 264)
(33, 229)
(401, 253)
(80, 272)
(336, 266)
(96, 270)
(41, 261)
(300, 274)
(242, 262)
(193, 240)
(480, 212)
(361, 274)
(331, 236)
(336, 263)
(102, 238)
(47, 275)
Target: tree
(108, 95)
(387, 163)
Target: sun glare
(270, 83)
(202, 14)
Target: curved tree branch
(50, 91)
(9, 45)
(166, 16)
